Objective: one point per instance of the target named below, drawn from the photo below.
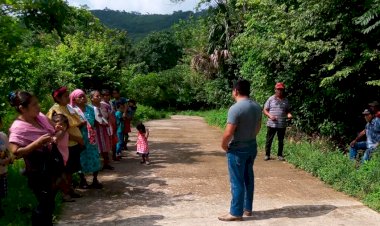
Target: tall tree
(159, 51)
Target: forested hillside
(140, 25)
(326, 52)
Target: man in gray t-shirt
(239, 141)
(277, 110)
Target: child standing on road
(142, 143)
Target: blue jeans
(120, 142)
(361, 146)
(240, 169)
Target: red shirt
(377, 114)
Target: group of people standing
(69, 139)
(73, 135)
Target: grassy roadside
(320, 159)
(145, 113)
(20, 201)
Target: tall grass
(322, 160)
(20, 200)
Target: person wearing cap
(375, 107)
(277, 109)
(372, 132)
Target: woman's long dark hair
(18, 98)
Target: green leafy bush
(145, 113)
(178, 87)
(20, 201)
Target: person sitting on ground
(375, 107)
(372, 131)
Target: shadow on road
(303, 211)
(132, 184)
(149, 220)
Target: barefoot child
(142, 143)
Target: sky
(142, 6)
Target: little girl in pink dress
(142, 143)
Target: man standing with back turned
(239, 141)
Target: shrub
(145, 113)
(20, 201)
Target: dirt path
(187, 184)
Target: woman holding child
(75, 144)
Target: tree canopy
(325, 51)
(140, 25)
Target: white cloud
(142, 6)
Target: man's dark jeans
(271, 132)
(240, 169)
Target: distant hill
(139, 25)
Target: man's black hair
(243, 87)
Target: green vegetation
(173, 88)
(326, 52)
(159, 51)
(140, 25)
(145, 113)
(337, 170)
(20, 201)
